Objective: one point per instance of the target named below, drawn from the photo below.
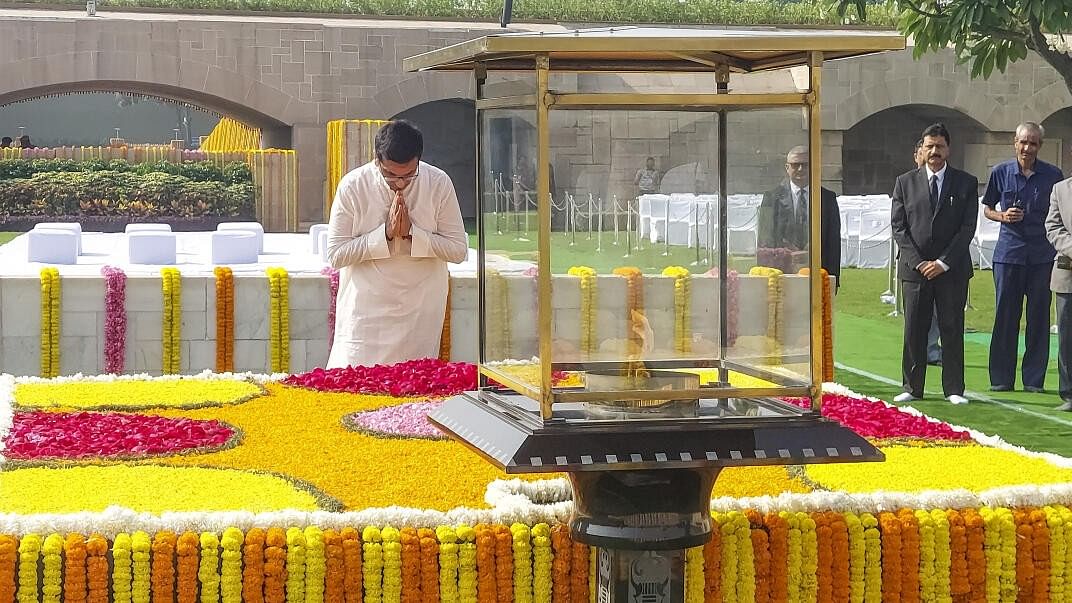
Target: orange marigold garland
(1040, 553)
(825, 554)
(163, 567)
(504, 563)
(634, 305)
(411, 565)
(275, 566)
(429, 547)
(975, 543)
(579, 573)
(335, 567)
(9, 555)
(1025, 570)
(351, 554)
(188, 562)
(74, 569)
(890, 526)
(909, 556)
(561, 563)
(712, 552)
(97, 569)
(839, 545)
(778, 543)
(224, 319)
(959, 586)
(761, 555)
(253, 566)
(486, 591)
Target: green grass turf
(7, 236)
(866, 338)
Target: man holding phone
(1018, 196)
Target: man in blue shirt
(1018, 196)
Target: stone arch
(1057, 146)
(449, 125)
(167, 76)
(870, 168)
(421, 88)
(916, 90)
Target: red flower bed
(426, 377)
(76, 435)
(878, 420)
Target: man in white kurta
(392, 293)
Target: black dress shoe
(1001, 388)
(936, 362)
(1065, 406)
(1034, 390)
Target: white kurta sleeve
(345, 248)
(449, 241)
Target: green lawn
(7, 236)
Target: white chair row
(155, 244)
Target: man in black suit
(783, 215)
(934, 218)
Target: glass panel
(768, 241)
(508, 194)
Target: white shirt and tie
(935, 180)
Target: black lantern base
(624, 576)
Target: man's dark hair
(936, 130)
(650, 159)
(399, 141)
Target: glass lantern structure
(669, 322)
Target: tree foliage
(988, 33)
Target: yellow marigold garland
(694, 575)
(775, 312)
(231, 565)
(295, 565)
(588, 305)
(942, 554)
(279, 318)
(141, 570)
(448, 564)
(52, 569)
(171, 284)
(50, 322)
(634, 305)
(794, 555)
(497, 305)
(1058, 551)
(857, 557)
(682, 307)
(467, 571)
(542, 562)
(872, 559)
(29, 551)
(121, 570)
(224, 319)
(208, 574)
(372, 564)
(809, 567)
(392, 564)
(522, 563)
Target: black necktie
(934, 193)
(802, 206)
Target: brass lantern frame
(652, 50)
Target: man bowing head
(935, 208)
(395, 223)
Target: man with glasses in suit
(933, 218)
(395, 223)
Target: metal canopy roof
(631, 49)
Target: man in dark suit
(783, 215)
(934, 219)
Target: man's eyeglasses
(797, 165)
(399, 179)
